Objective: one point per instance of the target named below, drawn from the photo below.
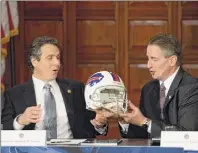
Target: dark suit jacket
(180, 110)
(20, 97)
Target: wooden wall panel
(189, 10)
(37, 28)
(43, 10)
(95, 10)
(148, 10)
(93, 45)
(138, 77)
(96, 36)
(189, 33)
(97, 33)
(189, 41)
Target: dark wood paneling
(190, 41)
(71, 40)
(190, 10)
(174, 19)
(122, 41)
(148, 10)
(37, 28)
(138, 77)
(65, 29)
(97, 48)
(189, 36)
(95, 10)
(107, 35)
(19, 45)
(43, 10)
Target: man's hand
(101, 119)
(134, 115)
(121, 120)
(30, 115)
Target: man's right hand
(30, 115)
(101, 118)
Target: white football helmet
(106, 90)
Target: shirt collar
(39, 84)
(169, 80)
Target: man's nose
(57, 61)
(148, 64)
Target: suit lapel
(174, 86)
(67, 93)
(30, 99)
(154, 99)
(29, 94)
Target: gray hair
(35, 48)
(169, 45)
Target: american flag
(9, 28)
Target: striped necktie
(50, 117)
(162, 99)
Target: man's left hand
(134, 115)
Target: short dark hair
(169, 45)
(35, 48)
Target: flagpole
(12, 62)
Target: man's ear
(173, 60)
(34, 62)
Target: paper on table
(66, 141)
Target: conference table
(126, 146)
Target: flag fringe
(2, 88)
(3, 52)
(12, 33)
(5, 40)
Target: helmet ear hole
(94, 97)
(105, 90)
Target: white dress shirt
(168, 81)
(63, 127)
(167, 84)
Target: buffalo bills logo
(94, 79)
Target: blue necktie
(50, 118)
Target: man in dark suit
(170, 100)
(32, 105)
